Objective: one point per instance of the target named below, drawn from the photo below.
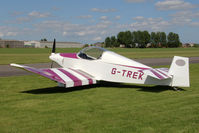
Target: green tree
(114, 42)
(134, 38)
(146, 37)
(173, 40)
(141, 38)
(86, 45)
(108, 42)
(153, 40)
(125, 38)
(163, 39)
(158, 39)
(44, 39)
(121, 38)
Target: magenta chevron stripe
(76, 80)
(164, 69)
(42, 73)
(54, 75)
(162, 73)
(89, 79)
(157, 74)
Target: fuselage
(109, 67)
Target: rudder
(179, 70)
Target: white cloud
(11, 33)
(16, 13)
(186, 14)
(174, 5)
(97, 31)
(23, 19)
(39, 14)
(135, 1)
(151, 24)
(195, 24)
(81, 33)
(117, 17)
(55, 8)
(103, 32)
(8, 31)
(103, 10)
(184, 17)
(1, 34)
(85, 16)
(103, 17)
(30, 17)
(138, 18)
(97, 38)
(65, 33)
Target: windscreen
(91, 53)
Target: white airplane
(94, 64)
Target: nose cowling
(56, 58)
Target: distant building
(99, 44)
(31, 44)
(37, 44)
(47, 44)
(148, 45)
(11, 44)
(122, 46)
(188, 45)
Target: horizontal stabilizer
(67, 76)
(158, 73)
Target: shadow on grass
(57, 89)
(146, 88)
(155, 89)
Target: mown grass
(29, 55)
(39, 55)
(34, 104)
(157, 52)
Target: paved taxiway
(7, 70)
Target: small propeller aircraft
(94, 64)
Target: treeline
(143, 39)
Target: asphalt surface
(7, 70)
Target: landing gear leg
(176, 89)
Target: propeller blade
(53, 51)
(54, 46)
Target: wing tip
(16, 65)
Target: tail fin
(179, 70)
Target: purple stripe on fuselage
(69, 55)
(142, 68)
(89, 79)
(76, 80)
(157, 74)
(56, 76)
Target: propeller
(54, 45)
(53, 50)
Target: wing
(158, 73)
(67, 76)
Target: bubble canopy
(91, 53)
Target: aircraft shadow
(51, 90)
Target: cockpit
(91, 53)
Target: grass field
(38, 55)
(34, 104)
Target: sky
(90, 21)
